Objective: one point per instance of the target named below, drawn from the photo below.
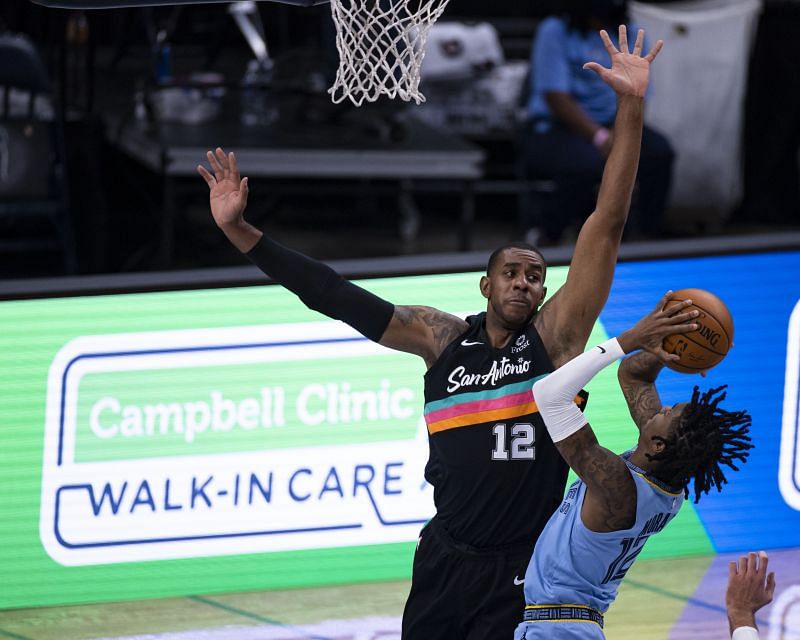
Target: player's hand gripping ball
(702, 349)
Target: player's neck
(639, 458)
(497, 331)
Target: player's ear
(485, 286)
(544, 295)
(657, 445)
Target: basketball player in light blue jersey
(606, 517)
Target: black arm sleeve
(322, 289)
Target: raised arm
(566, 320)
(422, 331)
(637, 377)
(610, 503)
(637, 373)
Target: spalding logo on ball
(709, 344)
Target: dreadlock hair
(511, 245)
(705, 438)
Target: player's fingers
(244, 190)
(743, 564)
(763, 562)
(215, 165)
(677, 308)
(607, 42)
(663, 302)
(637, 46)
(752, 559)
(664, 356)
(234, 167)
(770, 584)
(686, 325)
(654, 51)
(733, 569)
(210, 181)
(223, 161)
(623, 39)
(680, 328)
(597, 68)
(683, 318)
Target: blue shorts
(545, 630)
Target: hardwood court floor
(672, 599)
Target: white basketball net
(381, 45)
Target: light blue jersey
(572, 565)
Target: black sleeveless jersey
(496, 474)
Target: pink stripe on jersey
(479, 405)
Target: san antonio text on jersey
(496, 474)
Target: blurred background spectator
(571, 112)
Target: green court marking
(688, 600)
(251, 616)
(15, 636)
(676, 596)
(237, 611)
(641, 613)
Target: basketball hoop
(381, 45)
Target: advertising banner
(205, 441)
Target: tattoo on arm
(442, 326)
(609, 485)
(423, 330)
(637, 375)
(404, 315)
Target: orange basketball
(702, 349)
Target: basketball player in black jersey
(496, 474)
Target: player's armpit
(563, 340)
(610, 502)
(423, 331)
(566, 320)
(637, 375)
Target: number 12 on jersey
(521, 439)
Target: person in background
(749, 589)
(570, 116)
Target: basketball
(709, 344)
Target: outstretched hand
(649, 333)
(750, 587)
(629, 72)
(228, 190)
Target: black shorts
(462, 593)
